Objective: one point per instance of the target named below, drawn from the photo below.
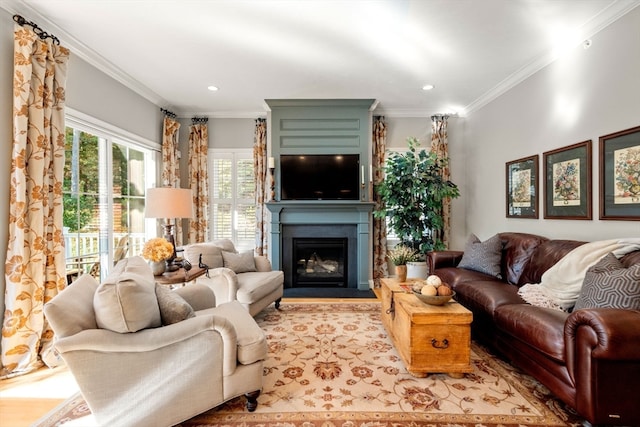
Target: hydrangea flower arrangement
(157, 249)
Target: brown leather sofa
(589, 358)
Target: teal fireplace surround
(322, 126)
(323, 213)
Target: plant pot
(401, 273)
(158, 267)
(417, 270)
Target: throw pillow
(211, 252)
(173, 308)
(126, 300)
(239, 263)
(484, 256)
(608, 284)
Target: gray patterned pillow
(239, 263)
(173, 308)
(484, 256)
(609, 284)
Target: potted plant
(400, 255)
(412, 194)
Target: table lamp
(169, 203)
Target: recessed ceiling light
(212, 88)
(427, 87)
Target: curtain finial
(36, 29)
(168, 113)
(199, 120)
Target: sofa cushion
(482, 256)
(517, 249)
(173, 308)
(541, 328)
(211, 252)
(254, 286)
(486, 296)
(545, 256)
(71, 311)
(239, 263)
(608, 284)
(126, 300)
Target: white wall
(584, 95)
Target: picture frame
(567, 182)
(619, 172)
(522, 188)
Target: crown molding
(83, 51)
(606, 17)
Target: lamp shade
(169, 202)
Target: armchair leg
(278, 303)
(252, 400)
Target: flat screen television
(320, 177)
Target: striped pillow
(609, 284)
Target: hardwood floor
(26, 399)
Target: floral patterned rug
(332, 364)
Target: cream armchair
(234, 276)
(157, 376)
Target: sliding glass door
(105, 180)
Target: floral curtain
(263, 185)
(379, 224)
(440, 146)
(170, 160)
(35, 264)
(199, 180)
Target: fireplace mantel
(323, 212)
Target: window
(105, 177)
(233, 206)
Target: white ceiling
(170, 50)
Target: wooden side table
(429, 338)
(180, 276)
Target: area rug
(333, 365)
(328, 293)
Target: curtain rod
(168, 113)
(36, 29)
(196, 120)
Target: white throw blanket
(561, 284)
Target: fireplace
(320, 255)
(320, 262)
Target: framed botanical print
(620, 175)
(567, 182)
(522, 188)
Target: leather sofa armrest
(443, 259)
(607, 333)
(603, 352)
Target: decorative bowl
(434, 299)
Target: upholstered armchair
(144, 355)
(234, 276)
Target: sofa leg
(278, 303)
(252, 400)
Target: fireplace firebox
(320, 262)
(320, 255)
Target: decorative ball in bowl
(434, 299)
(434, 295)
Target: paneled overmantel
(303, 131)
(318, 213)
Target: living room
(581, 96)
